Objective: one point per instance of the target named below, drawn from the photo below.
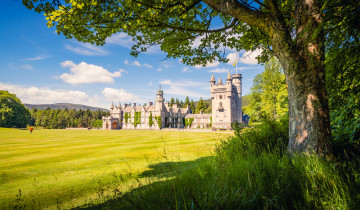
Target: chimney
(134, 104)
(150, 103)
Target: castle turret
(212, 81)
(237, 106)
(228, 85)
(220, 82)
(159, 99)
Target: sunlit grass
(54, 167)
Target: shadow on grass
(169, 169)
(157, 171)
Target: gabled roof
(151, 108)
(128, 109)
(184, 110)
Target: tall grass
(249, 171)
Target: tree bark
(303, 60)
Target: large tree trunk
(304, 66)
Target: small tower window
(220, 97)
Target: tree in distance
(12, 112)
(268, 94)
(292, 30)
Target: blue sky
(40, 66)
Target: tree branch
(241, 12)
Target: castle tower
(237, 91)
(159, 100)
(226, 101)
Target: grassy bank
(67, 168)
(251, 170)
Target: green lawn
(68, 168)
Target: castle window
(220, 97)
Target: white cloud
(196, 43)
(121, 39)
(148, 66)
(27, 66)
(183, 88)
(150, 83)
(40, 57)
(186, 69)
(226, 70)
(84, 73)
(233, 57)
(86, 49)
(219, 70)
(136, 63)
(35, 95)
(166, 64)
(118, 95)
(208, 65)
(124, 40)
(250, 57)
(126, 62)
(159, 69)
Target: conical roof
(160, 92)
(220, 82)
(229, 76)
(212, 78)
(112, 106)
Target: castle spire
(212, 78)
(220, 82)
(229, 76)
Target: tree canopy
(268, 94)
(12, 112)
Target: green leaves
(12, 112)
(269, 96)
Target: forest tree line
(63, 118)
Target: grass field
(69, 168)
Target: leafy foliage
(269, 136)
(151, 121)
(62, 118)
(126, 116)
(137, 118)
(269, 96)
(343, 70)
(188, 122)
(12, 112)
(158, 120)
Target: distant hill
(63, 106)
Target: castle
(226, 109)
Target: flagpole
(236, 67)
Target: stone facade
(226, 101)
(226, 109)
(123, 117)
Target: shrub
(269, 136)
